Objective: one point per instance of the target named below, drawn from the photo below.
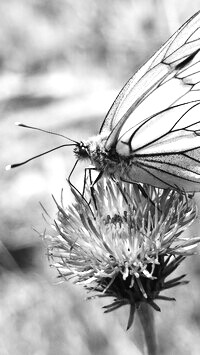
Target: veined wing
(165, 149)
(160, 83)
(180, 170)
(174, 130)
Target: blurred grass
(61, 65)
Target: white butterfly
(151, 133)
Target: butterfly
(151, 134)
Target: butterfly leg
(79, 193)
(92, 183)
(86, 170)
(92, 187)
(143, 192)
(69, 177)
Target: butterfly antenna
(8, 167)
(45, 131)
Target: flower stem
(146, 316)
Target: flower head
(124, 243)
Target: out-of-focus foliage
(37, 35)
(61, 64)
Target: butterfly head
(81, 150)
(94, 149)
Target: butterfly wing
(176, 171)
(170, 155)
(155, 120)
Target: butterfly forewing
(149, 77)
(111, 118)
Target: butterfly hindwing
(179, 171)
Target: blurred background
(62, 64)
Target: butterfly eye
(81, 151)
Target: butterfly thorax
(104, 160)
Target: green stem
(146, 316)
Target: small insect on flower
(123, 246)
(151, 133)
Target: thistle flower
(124, 243)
